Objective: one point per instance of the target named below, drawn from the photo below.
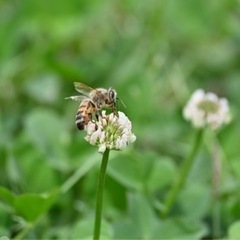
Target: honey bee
(92, 102)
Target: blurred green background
(155, 53)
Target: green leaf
(7, 196)
(88, 161)
(180, 228)
(4, 232)
(147, 170)
(125, 229)
(161, 174)
(57, 232)
(34, 167)
(4, 221)
(125, 171)
(32, 206)
(141, 222)
(142, 215)
(234, 230)
(84, 229)
(13, 169)
(44, 88)
(195, 195)
(48, 132)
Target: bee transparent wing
(83, 88)
(76, 98)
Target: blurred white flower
(110, 131)
(206, 109)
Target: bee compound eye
(111, 95)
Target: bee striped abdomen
(84, 114)
(80, 122)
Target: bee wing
(76, 98)
(83, 88)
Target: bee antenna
(121, 102)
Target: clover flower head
(110, 131)
(206, 109)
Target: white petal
(102, 148)
(197, 96)
(211, 97)
(132, 138)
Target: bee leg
(97, 117)
(99, 113)
(94, 122)
(114, 110)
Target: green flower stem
(216, 175)
(216, 215)
(183, 173)
(100, 188)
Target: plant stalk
(216, 191)
(100, 188)
(183, 173)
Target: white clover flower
(110, 131)
(206, 109)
